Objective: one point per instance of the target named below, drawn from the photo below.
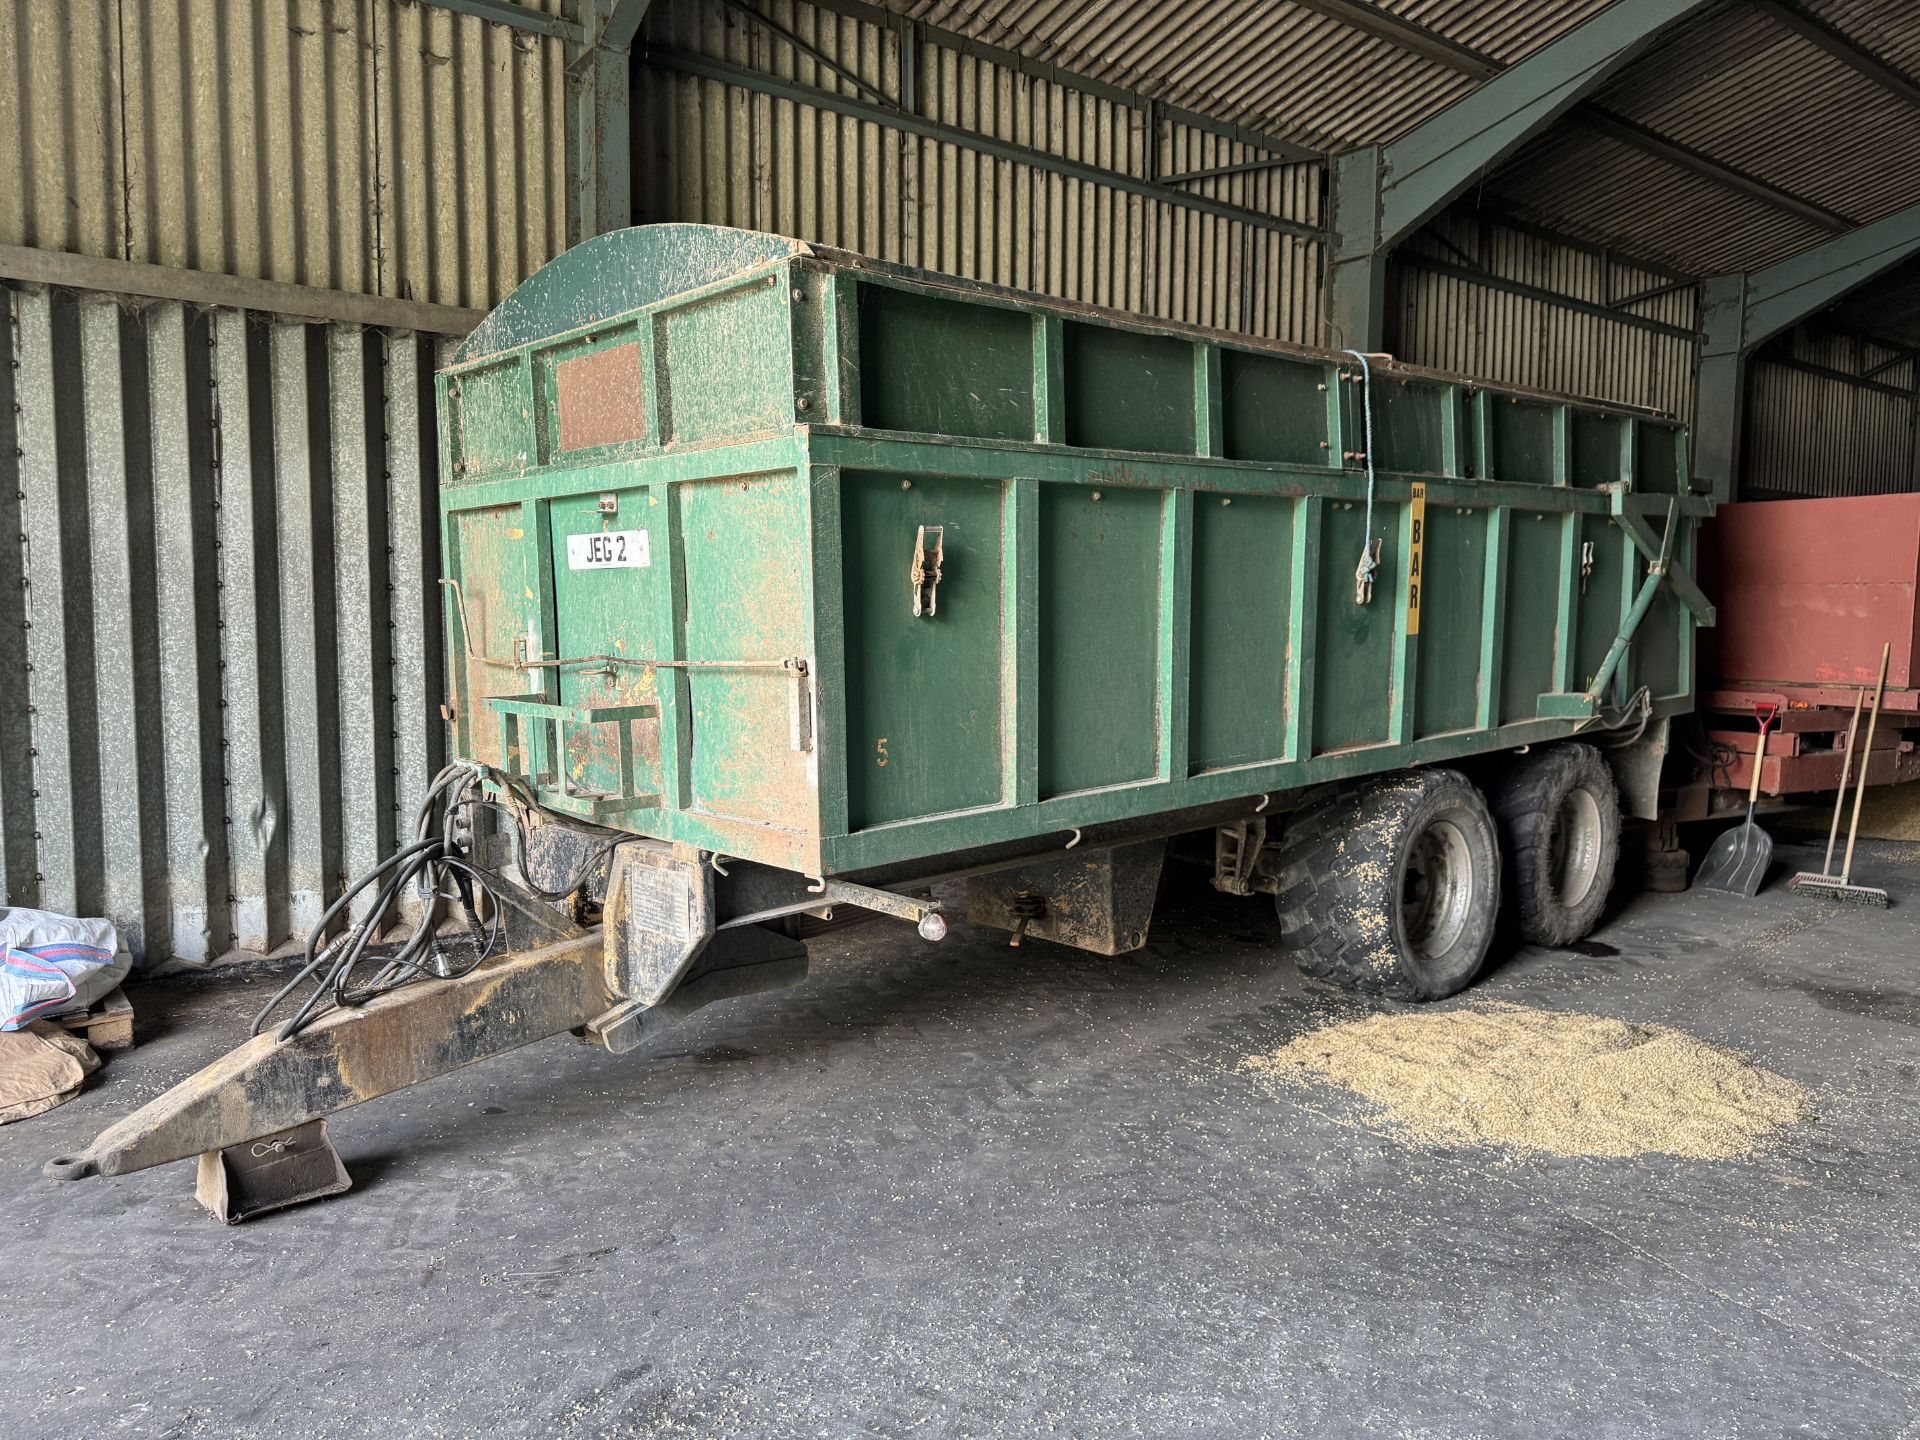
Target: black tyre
(1559, 814)
(1392, 888)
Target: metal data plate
(608, 550)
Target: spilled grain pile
(1541, 1081)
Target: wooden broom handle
(1866, 761)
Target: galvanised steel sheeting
(1817, 425)
(373, 146)
(828, 564)
(725, 154)
(1455, 305)
(225, 675)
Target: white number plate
(608, 550)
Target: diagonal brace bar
(1658, 550)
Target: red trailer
(1808, 592)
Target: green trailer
(777, 579)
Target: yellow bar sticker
(1416, 538)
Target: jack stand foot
(270, 1173)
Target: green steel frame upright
(1740, 311)
(1383, 193)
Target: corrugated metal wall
(716, 151)
(377, 146)
(1491, 300)
(1829, 415)
(216, 613)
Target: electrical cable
(1639, 706)
(435, 867)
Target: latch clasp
(924, 575)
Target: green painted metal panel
(612, 611)
(1451, 610)
(708, 351)
(491, 424)
(1128, 391)
(1410, 430)
(1147, 541)
(1600, 606)
(1353, 687)
(1598, 453)
(944, 367)
(1658, 644)
(1532, 615)
(1657, 459)
(744, 764)
(923, 691)
(1275, 409)
(1520, 439)
(497, 621)
(1099, 598)
(1243, 565)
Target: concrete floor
(965, 1190)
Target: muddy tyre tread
(1525, 804)
(1329, 868)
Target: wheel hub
(1437, 894)
(1574, 850)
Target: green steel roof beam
(1383, 193)
(515, 16)
(600, 117)
(1738, 312)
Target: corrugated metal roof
(1285, 66)
(1741, 86)
(1598, 189)
(1763, 99)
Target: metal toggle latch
(925, 573)
(1363, 573)
(1586, 564)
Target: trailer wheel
(1559, 813)
(1393, 888)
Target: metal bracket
(1236, 853)
(546, 767)
(924, 575)
(1586, 564)
(800, 712)
(1658, 551)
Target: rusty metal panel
(601, 397)
(227, 529)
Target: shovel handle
(1766, 715)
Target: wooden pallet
(107, 1026)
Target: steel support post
(1383, 193)
(1739, 312)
